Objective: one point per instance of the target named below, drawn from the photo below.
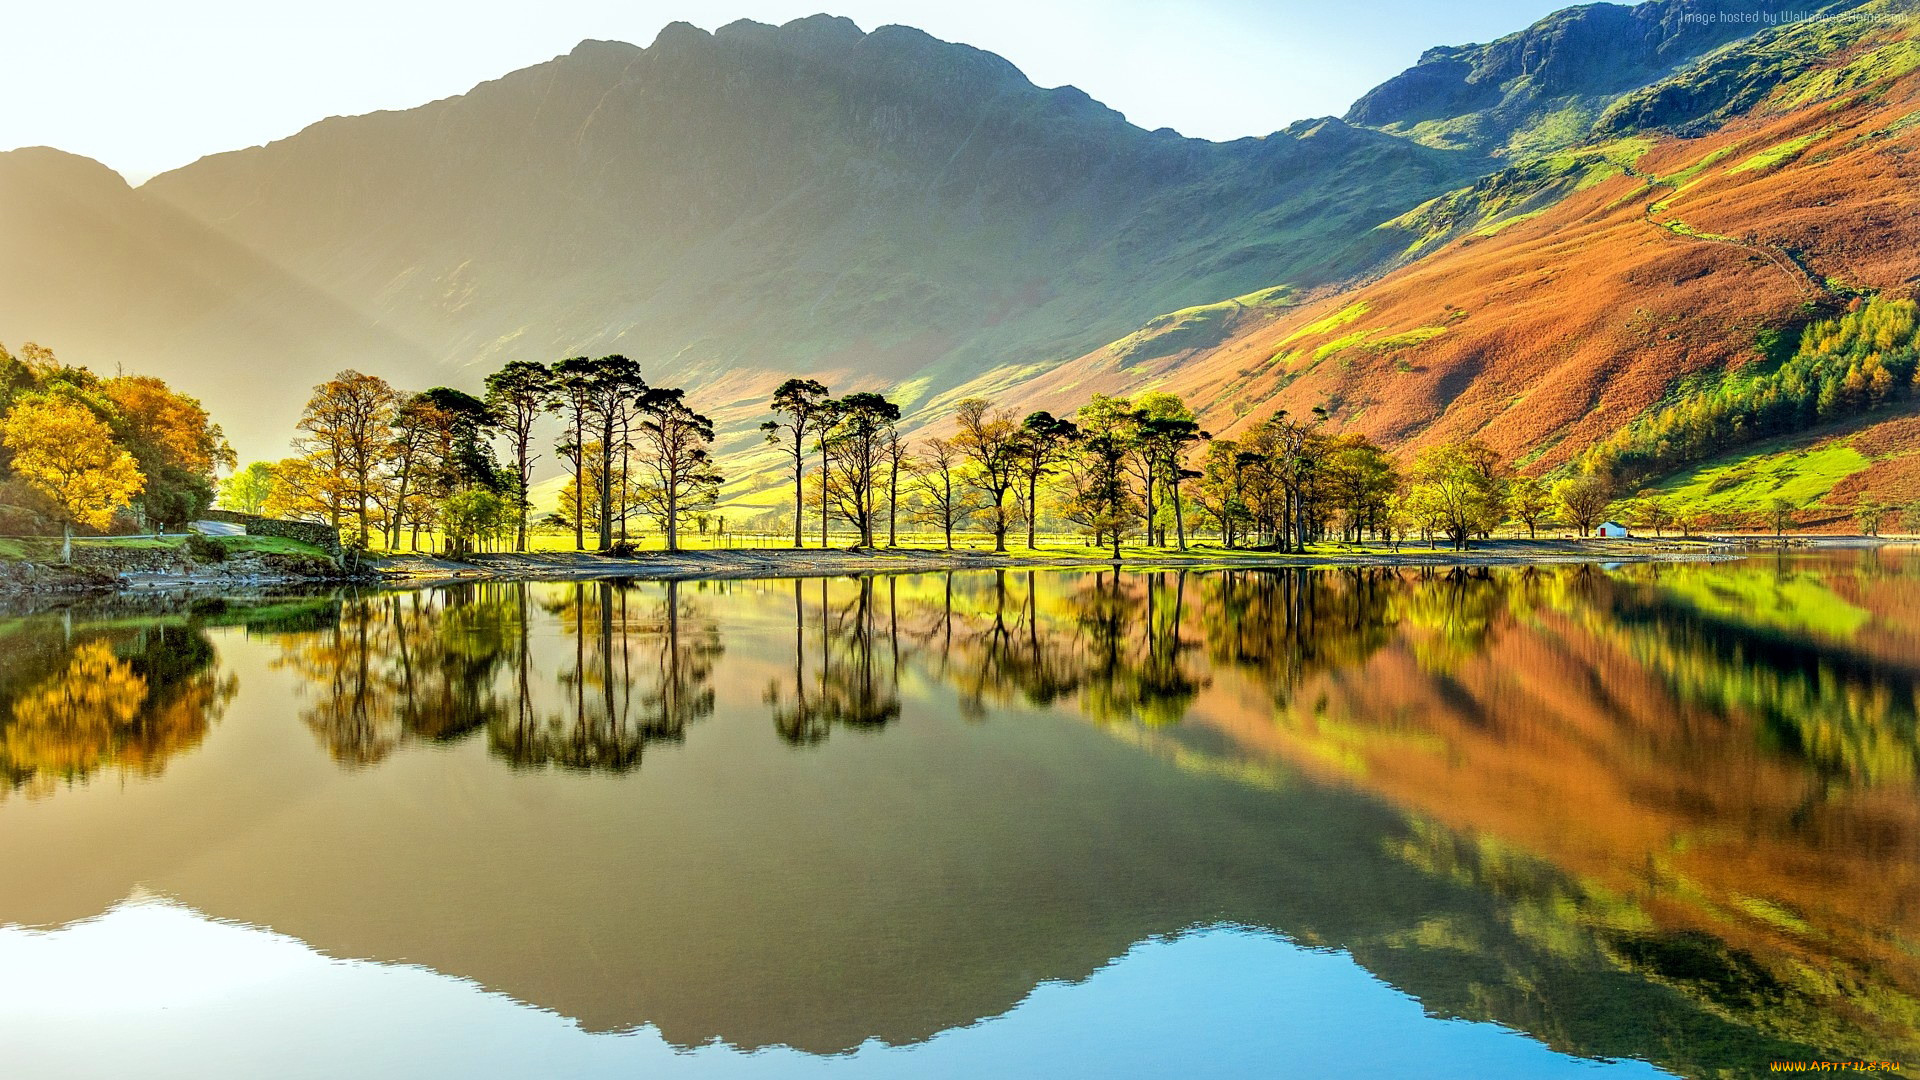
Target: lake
(1556, 821)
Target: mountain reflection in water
(1666, 812)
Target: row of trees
(1122, 467)
(372, 460)
(122, 452)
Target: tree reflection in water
(76, 701)
(856, 682)
(439, 665)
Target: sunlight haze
(150, 87)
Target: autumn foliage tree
(347, 437)
(176, 444)
(69, 455)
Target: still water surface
(1568, 821)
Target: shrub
(206, 548)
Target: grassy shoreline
(816, 562)
(755, 562)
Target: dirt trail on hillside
(1796, 270)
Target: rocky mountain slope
(1767, 186)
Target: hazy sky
(147, 85)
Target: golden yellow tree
(65, 452)
(174, 423)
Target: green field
(1744, 483)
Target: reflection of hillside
(1639, 751)
(1667, 774)
(76, 704)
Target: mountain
(885, 210)
(108, 277)
(1767, 186)
(803, 198)
(1548, 85)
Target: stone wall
(319, 534)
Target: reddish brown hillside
(1555, 330)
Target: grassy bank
(46, 549)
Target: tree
(1459, 486)
(246, 491)
(1163, 428)
(517, 395)
(297, 493)
(1281, 460)
(66, 453)
(1168, 438)
(989, 439)
(176, 444)
(1583, 500)
(899, 457)
(1871, 515)
(1531, 503)
(1045, 441)
(807, 409)
(1360, 477)
(475, 518)
(856, 444)
(1218, 491)
(1652, 511)
(932, 478)
(1102, 499)
(417, 423)
(455, 453)
(1780, 514)
(348, 438)
(680, 474)
(627, 498)
(573, 380)
(609, 388)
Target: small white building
(1613, 530)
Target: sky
(148, 85)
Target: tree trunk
(1179, 516)
(893, 504)
(1033, 505)
(799, 491)
(673, 515)
(66, 543)
(520, 497)
(579, 499)
(606, 487)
